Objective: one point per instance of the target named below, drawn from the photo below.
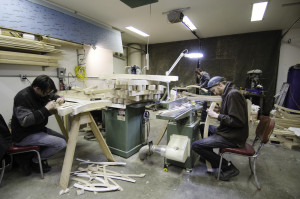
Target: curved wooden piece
(205, 133)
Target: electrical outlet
(23, 77)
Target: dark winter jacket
(29, 113)
(233, 116)
(5, 137)
(204, 79)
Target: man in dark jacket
(31, 110)
(233, 130)
(203, 77)
(5, 137)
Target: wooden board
(192, 96)
(160, 78)
(282, 94)
(205, 133)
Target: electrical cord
(146, 122)
(80, 72)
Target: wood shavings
(64, 191)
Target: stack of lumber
(7, 57)
(26, 44)
(286, 119)
(25, 51)
(129, 89)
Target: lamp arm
(175, 63)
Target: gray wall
(229, 56)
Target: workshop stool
(263, 131)
(13, 150)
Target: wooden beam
(161, 78)
(192, 96)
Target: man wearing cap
(233, 129)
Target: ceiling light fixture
(258, 11)
(186, 21)
(133, 29)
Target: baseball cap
(214, 81)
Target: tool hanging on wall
(80, 69)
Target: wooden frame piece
(205, 133)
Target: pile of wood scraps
(287, 125)
(286, 117)
(96, 177)
(129, 89)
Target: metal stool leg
(250, 164)
(40, 164)
(255, 177)
(219, 170)
(3, 169)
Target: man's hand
(217, 108)
(51, 105)
(212, 113)
(60, 100)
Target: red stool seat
(247, 150)
(16, 149)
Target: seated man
(5, 138)
(233, 130)
(31, 110)
(203, 78)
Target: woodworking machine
(183, 120)
(125, 129)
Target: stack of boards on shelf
(287, 127)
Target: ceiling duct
(175, 16)
(138, 3)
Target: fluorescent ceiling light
(137, 31)
(188, 23)
(193, 55)
(258, 11)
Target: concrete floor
(277, 170)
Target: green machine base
(189, 130)
(124, 130)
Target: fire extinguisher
(61, 85)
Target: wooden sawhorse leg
(81, 118)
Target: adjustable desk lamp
(184, 53)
